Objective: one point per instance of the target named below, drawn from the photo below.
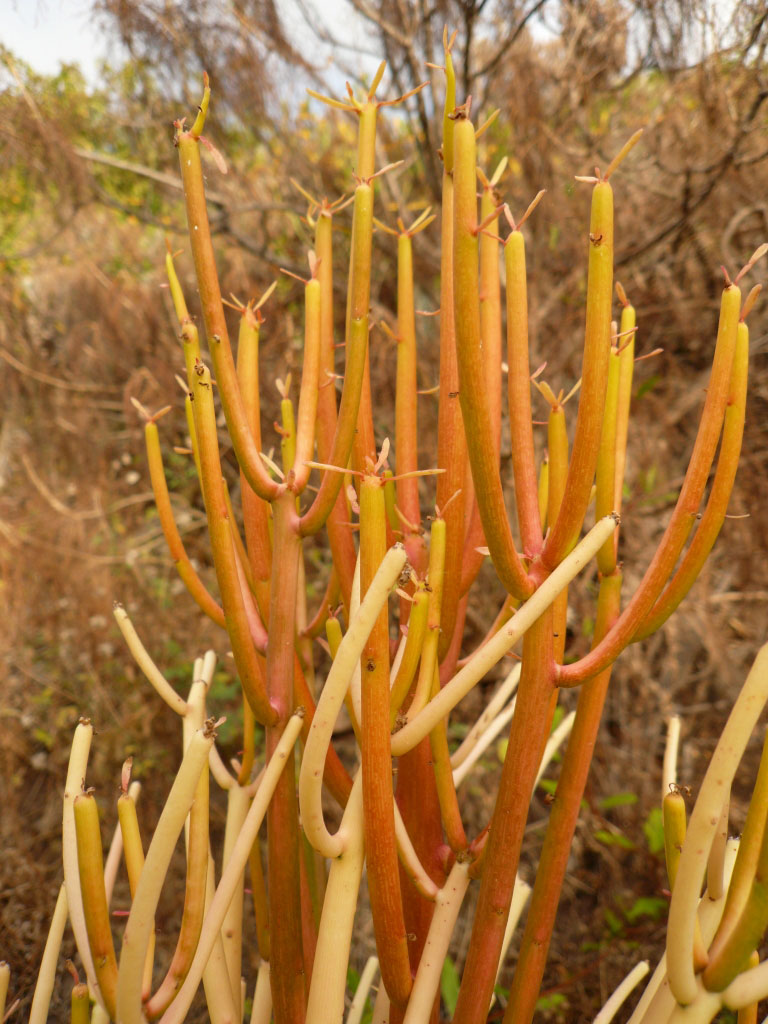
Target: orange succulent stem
(255, 509)
(519, 393)
(476, 415)
(557, 442)
(356, 352)
(191, 580)
(286, 955)
(490, 307)
(364, 442)
(406, 407)
(605, 490)
(626, 374)
(446, 790)
(247, 453)
(490, 331)
(339, 534)
(717, 504)
(223, 549)
(553, 859)
(310, 379)
(687, 506)
(451, 442)
(597, 347)
(501, 855)
(378, 797)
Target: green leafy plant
(400, 686)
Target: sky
(47, 33)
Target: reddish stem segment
(502, 850)
(378, 797)
(287, 957)
(553, 858)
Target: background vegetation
(89, 193)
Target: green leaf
(654, 907)
(449, 985)
(614, 922)
(647, 385)
(614, 839)
(617, 800)
(653, 827)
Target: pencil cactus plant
(400, 685)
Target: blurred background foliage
(90, 193)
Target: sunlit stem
(133, 851)
(146, 664)
(498, 645)
(46, 976)
(345, 659)
(329, 978)
(231, 874)
(747, 858)
(427, 981)
(141, 919)
(703, 825)
(194, 900)
(597, 345)
(557, 442)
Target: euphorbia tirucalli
(400, 687)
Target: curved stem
(703, 825)
(477, 419)
(686, 508)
